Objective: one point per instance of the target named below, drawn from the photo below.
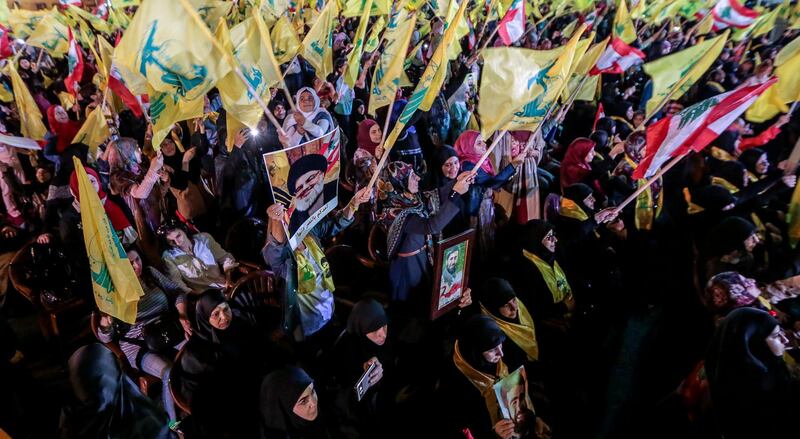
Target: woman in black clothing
(751, 391)
(289, 408)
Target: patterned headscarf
(396, 205)
(128, 157)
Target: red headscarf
(118, 219)
(64, 132)
(574, 167)
(363, 139)
(465, 148)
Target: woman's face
(177, 238)
(589, 156)
(306, 103)
(451, 167)
(629, 113)
(776, 341)
(306, 405)
(413, 183)
(361, 109)
(43, 175)
(751, 242)
(136, 262)
(480, 145)
(762, 165)
(638, 119)
(221, 316)
(549, 241)
(509, 310)
(494, 355)
(168, 147)
(375, 134)
(379, 335)
(24, 63)
(61, 114)
(279, 111)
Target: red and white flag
(512, 26)
(617, 58)
(66, 3)
(731, 13)
(5, 43)
(75, 63)
(117, 85)
(695, 127)
(599, 115)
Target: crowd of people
(677, 315)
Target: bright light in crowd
(254, 133)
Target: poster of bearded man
(305, 180)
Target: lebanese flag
(117, 85)
(512, 26)
(599, 115)
(617, 58)
(66, 3)
(695, 127)
(75, 62)
(731, 13)
(5, 43)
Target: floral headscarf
(396, 205)
(128, 155)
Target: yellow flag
(793, 218)
(668, 10)
(5, 94)
(67, 99)
(390, 65)
(354, 58)
(168, 44)
(578, 59)
(441, 57)
(94, 130)
(582, 5)
(4, 13)
(23, 22)
(116, 288)
(210, 11)
(125, 3)
(285, 40)
(706, 25)
(623, 25)
(439, 7)
(167, 109)
(519, 86)
(50, 35)
(375, 35)
(30, 118)
(637, 10)
(763, 24)
(355, 8)
(569, 29)
(794, 18)
(462, 29)
(788, 52)
(674, 74)
(96, 22)
(118, 19)
(773, 101)
(317, 46)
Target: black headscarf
(727, 141)
(439, 156)
(730, 235)
(712, 197)
(732, 171)
(601, 139)
(480, 334)
(209, 300)
(367, 316)
(496, 293)
(280, 391)
(750, 387)
(531, 236)
(750, 157)
(578, 192)
(109, 403)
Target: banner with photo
(305, 179)
(515, 404)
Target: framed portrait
(451, 262)
(305, 179)
(515, 404)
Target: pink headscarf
(574, 167)
(465, 148)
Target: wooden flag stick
(652, 180)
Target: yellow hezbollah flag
(585, 64)
(462, 29)
(23, 22)
(637, 10)
(355, 8)
(569, 29)
(98, 23)
(580, 51)
(706, 24)
(30, 118)
(354, 58)
(210, 11)
(582, 5)
(375, 35)
(94, 131)
(167, 109)
(623, 25)
(166, 44)
(5, 94)
(118, 19)
(427, 85)
(674, 74)
(318, 44)
(4, 13)
(786, 90)
(441, 57)
(116, 288)
(519, 86)
(788, 52)
(50, 35)
(285, 40)
(390, 65)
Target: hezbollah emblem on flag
(542, 79)
(185, 79)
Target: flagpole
(235, 65)
(652, 180)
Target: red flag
(5, 44)
(600, 114)
(75, 61)
(695, 127)
(617, 58)
(117, 85)
(512, 26)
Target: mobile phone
(362, 385)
